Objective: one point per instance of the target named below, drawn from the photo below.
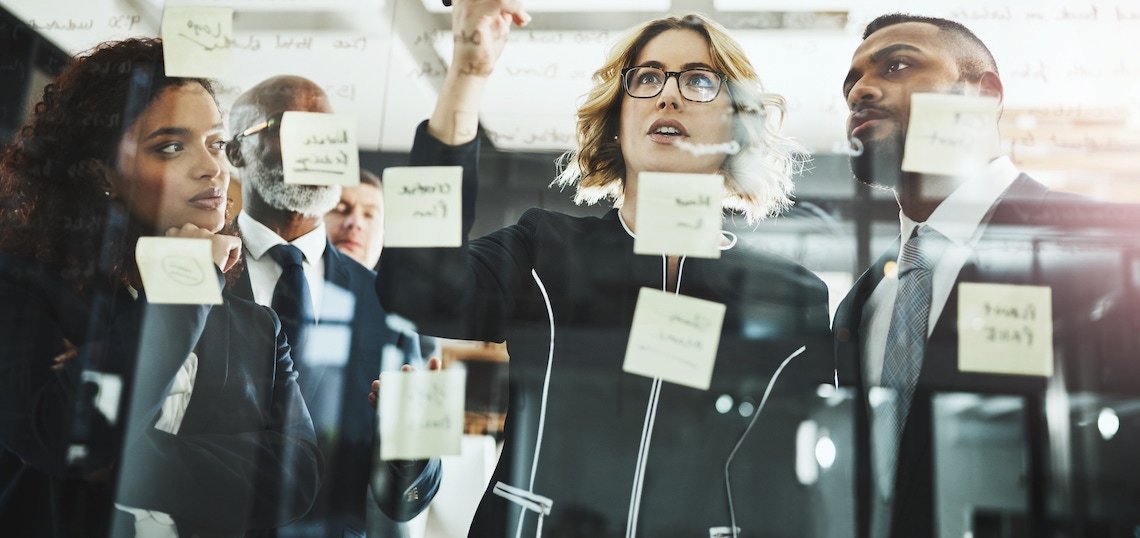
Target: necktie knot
(922, 251)
(286, 255)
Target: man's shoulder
(1030, 203)
(347, 271)
(359, 281)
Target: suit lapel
(335, 271)
(849, 357)
(242, 287)
(849, 315)
(989, 262)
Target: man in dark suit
(342, 335)
(994, 226)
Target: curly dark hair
(55, 177)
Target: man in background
(356, 223)
(356, 228)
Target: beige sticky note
(421, 413)
(177, 270)
(950, 134)
(196, 41)
(319, 149)
(423, 206)
(679, 214)
(674, 337)
(1005, 329)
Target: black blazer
(340, 508)
(245, 456)
(562, 292)
(1025, 219)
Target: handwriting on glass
(431, 399)
(183, 270)
(962, 134)
(322, 160)
(211, 36)
(1009, 324)
(678, 335)
(436, 208)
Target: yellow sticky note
(1005, 329)
(177, 270)
(674, 337)
(423, 206)
(421, 414)
(319, 149)
(679, 214)
(950, 134)
(196, 41)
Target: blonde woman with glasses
(591, 450)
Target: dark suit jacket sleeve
(403, 489)
(264, 477)
(40, 407)
(463, 292)
(207, 478)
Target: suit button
(843, 335)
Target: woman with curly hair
(591, 449)
(210, 435)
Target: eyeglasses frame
(677, 77)
(273, 121)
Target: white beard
(308, 200)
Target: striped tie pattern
(906, 341)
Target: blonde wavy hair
(758, 179)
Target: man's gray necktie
(906, 342)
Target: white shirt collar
(959, 216)
(258, 239)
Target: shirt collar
(959, 216)
(258, 239)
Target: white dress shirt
(959, 218)
(263, 270)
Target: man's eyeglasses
(698, 85)
(271, 125)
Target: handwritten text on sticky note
(196, 41)
(423, 206)
(319, 149)
(1005, 329)
(177, 270)
(674, 337)
(950, 134)
(421, 413)
(679, 214)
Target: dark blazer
(245, 456)
(562, 291)
(340, 508)
(1014, 249)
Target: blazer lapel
(242, 287)
(849, 315)
(849, 368)
(334, 266)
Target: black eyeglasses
(271, 125)
(699, 85)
